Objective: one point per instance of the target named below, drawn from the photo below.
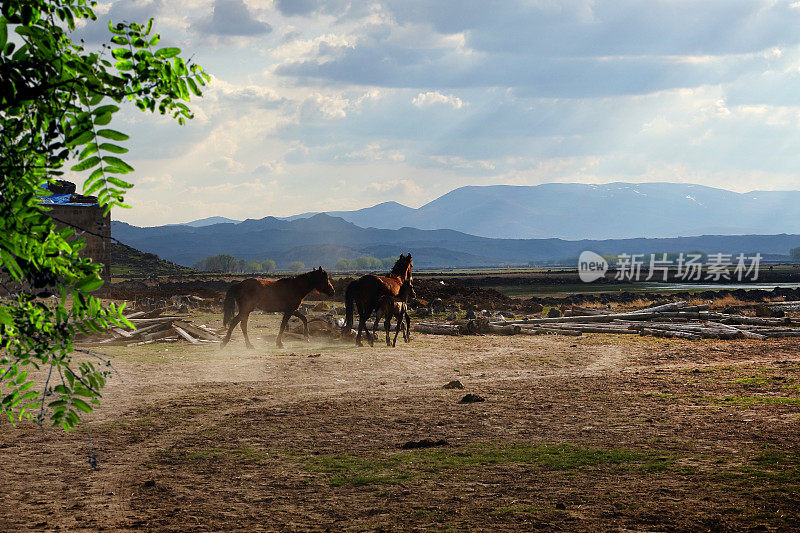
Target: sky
(321, 106)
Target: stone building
(85, 216)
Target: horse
(366, 293)
(272, 295)
(396, 307)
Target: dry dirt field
(593, 433)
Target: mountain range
(580, 211)
(322, 239)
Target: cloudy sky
(334, 105)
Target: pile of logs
(672, 320)
(152, 326)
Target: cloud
(373, 152)
(231, 18)
(435, 97)
(403, 187)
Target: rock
(472, 398)
(455, 384)
(424, 443)
(437, 306)
(486, 312)
(470, 314)
(553, 313)
(535, 307)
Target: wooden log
(157, 334)
(597, 329)
(436, 329)
(120, 332)
(741, 332)
(738, 319)
(664, 307)
(511, 329)
(670, 334)
(582, 319)
(183, 334)
(148, 321)
(197, 331)
(535, 330)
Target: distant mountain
(578, 211)
(210, 221)
(322, 239)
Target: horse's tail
(229, 305)
(349, 302)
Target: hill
(322, 239)
(126, 260)
(579, 211)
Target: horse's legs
(243, 323)
(407, 332)
(375, 324)
(303, 319)
(399, 319)
(387, 325)
(362, 325)
(285, 321)
(235, 320)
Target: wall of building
(91, 218)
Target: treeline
(365, 262)
(230, 264)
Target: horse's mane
(400, 266)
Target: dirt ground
(593, 433)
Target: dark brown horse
(366, 293)
(396, 307)
(272, 295)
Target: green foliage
(268, 265)
(365, 262)
(345, 264)
(230, 264)
(297, 266)
(795, 253)
(57, 100)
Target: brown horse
(367, 291)
(396, 307)
(272, 295)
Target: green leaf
(193, 87)
(86, 163)
(120, 40)
(89, 283)
(166, 53)
(121, 53)
(119, 183)
(90, 149)
(124, 65)
(3, 33)
(113, 28)
(103, 119)
(118, 163)
(108, 147)
(81, 405)
(112, 134)
(103, 109)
